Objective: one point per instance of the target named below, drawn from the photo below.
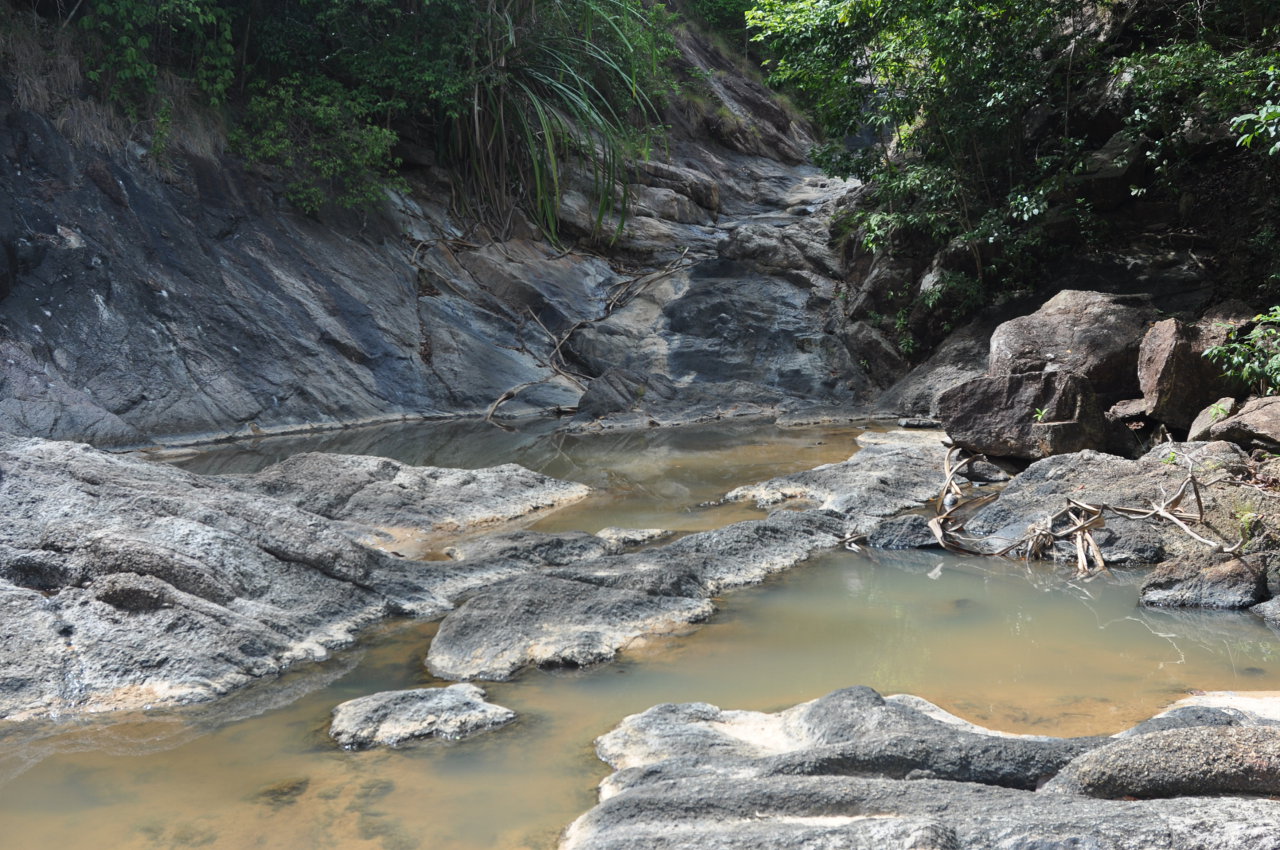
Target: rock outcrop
(853, 769)
(126, 584)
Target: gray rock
(1207, 418)
(1101, 479)
(552, 622)
(1255, 426)
(584, 611)
(393, 717)
(855, 770)
(1206, 583)
(961, 357)
(377, 491)
(903, 532)
(877, 482)
(1188, 762)
(1093, 334)
(1029, 415)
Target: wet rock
(903, 532)
(1092, 334)
(1029, 415)
(283, 793)
(382, 492)
(1206, 583)
(392, 718)
(1207, 418)
(856, 770)
(1255, 426)
(1190, 762)
(552, 622)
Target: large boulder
(1093, 334)
(1175, 377)
(1029, 415)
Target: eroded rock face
(126, 583)
(392, 718)
(853, 769)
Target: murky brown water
(1015, 648)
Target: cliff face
(141, 307)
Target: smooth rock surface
(393, 717)
(1094, 334)
(1175, 377)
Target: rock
(1093, 334)
(1175, 377)
(856, 770)
(393, 717)
(723, 321)
(710, 562)
(903, 532)
(1189, 762)
(1193, 583)
(552, 622)
(1030, 415)
(1255, 426)
(961, 357)
(531, 548)
(126, 583)
(376, 491)
(1207, 418)
(1099, 479)
(918, 422)
(583, 612)
(622, 391)
(877, 482)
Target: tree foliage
(972, 120)
(505, 89)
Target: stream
(1015, 647)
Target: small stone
(393, 717)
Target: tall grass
(554, 82)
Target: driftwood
(1074, 523)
